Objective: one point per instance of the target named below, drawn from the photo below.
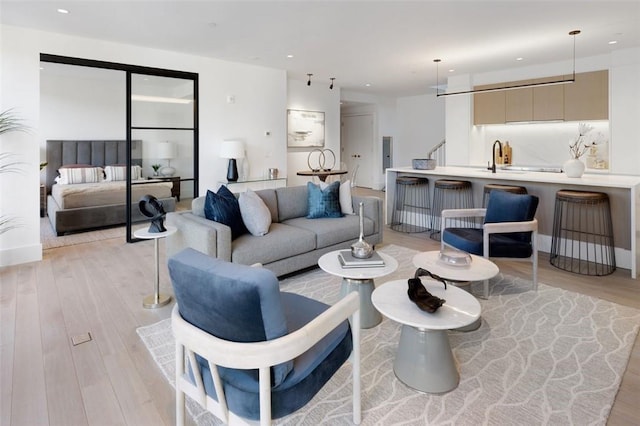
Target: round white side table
(424, 360)
(359, 280)
(155, 300)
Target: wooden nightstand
(175, 190)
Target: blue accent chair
(253, 352)
(509, 230)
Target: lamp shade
(232, 149)
(167, 150)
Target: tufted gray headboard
(97, 153)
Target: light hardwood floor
(98, 288)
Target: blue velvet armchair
(509, 230)
(253, 352)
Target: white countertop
(588, 179)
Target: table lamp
(232, 150)
(167, 151)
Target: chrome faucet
(493, 155)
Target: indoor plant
(574, 167)
(9, 122)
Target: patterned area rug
(551, 357)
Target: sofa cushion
(330, 231)
(323, 202)
(223, 207)
(292, 202)
(270, 199)
(346, 204)
(255, 213)
(282, 241)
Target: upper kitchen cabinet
(588, 97)
(489, 107)
(519, 104)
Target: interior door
(357, 144)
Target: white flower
(584, 128)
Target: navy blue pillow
(223, 207)
(323, 202)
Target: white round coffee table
(361, 281)
(424, 360)
(480, 269)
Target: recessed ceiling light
(368, 84)
(64, 11)
(451, 70)
(289, 56)
(519, 59)
(613, 41)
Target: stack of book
(347, 260)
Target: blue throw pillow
(323, 202)
(223, 207)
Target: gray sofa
(293, 242)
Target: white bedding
(106, 193)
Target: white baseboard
(19, 255)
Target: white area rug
(551, 357)
(50, 240)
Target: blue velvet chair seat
(302, 383)
(500, 245)
(242, 304)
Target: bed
(80, 204)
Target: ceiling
(389, 45)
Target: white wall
(260, 105)
(317, 97)
(421, 126)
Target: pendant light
(573, 33)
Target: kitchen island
(623, 191)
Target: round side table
(155, 300)
(359, 280)
(424, 360)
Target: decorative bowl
(454, 257)
(423, 163)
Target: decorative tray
(454, 257)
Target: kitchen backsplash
(544, 144)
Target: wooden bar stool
(582, 238)
(450, 194)
(496, 186)
(411, 206)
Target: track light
(309, 81)
(331, 85)
(573, 33)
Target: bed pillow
(119, 172)
(223, 207)
(73, 174)
(255, 213)
(323, 202)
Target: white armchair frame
(259, 355)
(450, 215)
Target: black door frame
(137, 69)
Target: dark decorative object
(420, 296)
(151, 207)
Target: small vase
(361, 249)
(573, 168)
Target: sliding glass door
(163, 134)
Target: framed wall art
(305, 128)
